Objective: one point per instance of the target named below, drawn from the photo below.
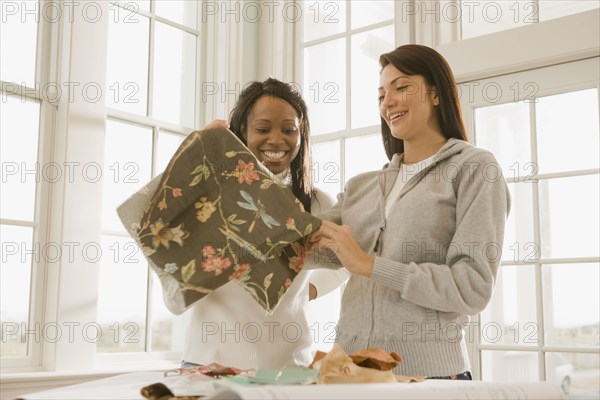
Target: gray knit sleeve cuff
(390, 273)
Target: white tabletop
(127, 387)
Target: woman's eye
(401, 88)
(289, 131)
(262, 130)
(380, 99)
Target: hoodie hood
(450, 148)
(388, 175)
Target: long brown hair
(300, 168)
(414, 59)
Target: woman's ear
(436, 98)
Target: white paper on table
(190, 385)
(120, 387)
(430, 389)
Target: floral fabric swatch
(218, 215)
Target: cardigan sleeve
(464, 283)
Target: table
(127, 387)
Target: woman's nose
(388, 100)
(275, 137)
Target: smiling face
(272, 132)
(407, 104)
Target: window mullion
(537, 239)
(150, 109)
(148, 331)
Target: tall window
(152, 80)
(25, 126)
(341, 44)
(544, 319)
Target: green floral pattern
(218, 216)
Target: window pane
(127, 62)
(19, 147)
(369, 12)
(168, 330)
(323, 18)
(569, 217)
(18, 41)
(325, 86)
(168, 143)
(519, 240)
(142, 4)
(550, 9)
(509, 366)
(326, 167)
(122, 290)
(479, 18)
(130, 6)
(510, 317)
(567, 131)
(366, 49)
(504, 130)
(322, 315)
(127, 166)
(174, 75)
(576, 373)
(15, 280)
(571, 319)
(162, 327)
(183, 12)
(356, 148)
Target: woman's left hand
(340, 240)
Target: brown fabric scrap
(158, 391)
(376, 358)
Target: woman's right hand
(340, 240)
(217, 123)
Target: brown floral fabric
(218, 215)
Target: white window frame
(569, 38)
(66, 292)
(110, 359)
(44, 231)
(545, 80)
(403, 31)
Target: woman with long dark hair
(422, 237)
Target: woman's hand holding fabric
(340, 240)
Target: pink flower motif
(246, 172)
(177, 192)
(243, 270)
(297, 262)
(290, 224)
(212, 262)
(208, 251)
(225, 263)
(287, 283)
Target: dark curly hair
(300, 168)
(413, 59)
